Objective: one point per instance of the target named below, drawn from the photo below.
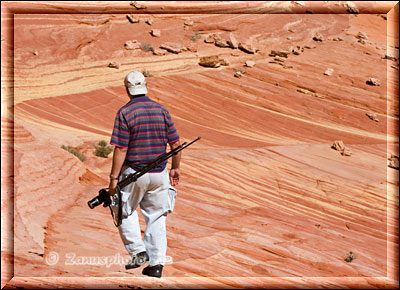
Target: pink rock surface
(264, 201)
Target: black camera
(103, 197)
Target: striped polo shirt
(144, 127)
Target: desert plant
(146, 47)
(146, 73)
(75, 151)
(195, 36)
(102, 149)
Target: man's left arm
(118, 160)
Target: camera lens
(94, 202)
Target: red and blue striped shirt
(144, 127)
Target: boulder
(172, 47)
(133, 18)
(373, 82)
(155, 33)
(328, 72)
(250, 63)
(212, 61)
(247, 47)
(232, 42)
(132, 44)
(280, 53)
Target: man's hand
(174, 176)
(111, 186)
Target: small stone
(346, 152)
(372, 116)
(172, 47)
(232, 42)
(351, 8)
(238, 74)
(114, 64)
(133, 18)
(157, 51)
(393, 161)
(210, 38)
(362, 41)
(155, 33)
(212, 61)
(250, 63)
(338, 39)
(328, 72)
(188, 22)
(149, 21)
(338, 145)
(373, 82)
(279, 59)
(318, 37)
(280, 53)
(247, 47)
(310, 46)
(35, 52)
(221, 43)
(389, 57)
(235, 53)
(192, 48)
(362, 35)
(349, 257)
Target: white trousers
(150, 191)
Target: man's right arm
(175, 172)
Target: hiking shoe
(137, 260)
(153, 271)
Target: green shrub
(75, 151)
(102, 149)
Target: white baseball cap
(136, 83)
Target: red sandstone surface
(264, 200)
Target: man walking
(142, 130)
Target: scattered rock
(247, 47)
(172, 47)
(149, 21)
(158, 51)
(238, 74)
(192, 48)
(389, 57)
(212, 61)
(362, 35)
(281, 53)
(279, 59)
(373, 82)
(155, 33)
(395, 67)
(349, 257)
(362, 41)
(372, 116)
(235, 53)
(250, 63)
(289, 38)
(138, 5)
(339, 146)
(132, 44)
(221, 43)
(290, 30)
(328, 72)
(133, 18)
(210, 38)
(318, 37)
(338, 39)
(351, 8)
(297, 50)
(232, 42)
(300, 3)
(310, 46)
(188, 22)
(36, 53)
(393, 161)
(384, 17)
(114, 64)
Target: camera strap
(117, 217)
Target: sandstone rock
(247, 47)
(114, 64)
(138, 5)
(279, 59)
(158, 51)
(390, 57)
(328, 72)
(338, 38)
(172, 47)
(372, 116)
(36, 53)
(212, 61)
(149, 21)
(235, 53)
(373, 82)
(296, 51)
(362, 35)
(318, 37)
(132, 44)
(281, 53)
(233, 43)
(155, 33)
(192, 48)
(221, 43)
(133, 18)
(310, 46)
(393, 161)
(249, 63)
(300, 3)
(238, 74)
(210, 38)
(362, 41)
(339, 146)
